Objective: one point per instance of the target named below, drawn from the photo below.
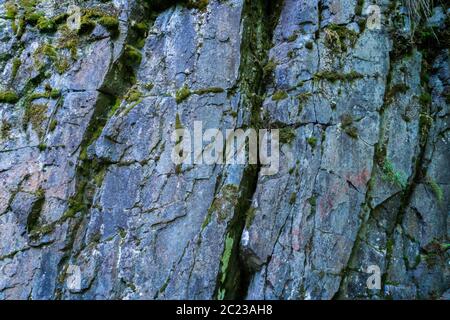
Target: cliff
(92, 207)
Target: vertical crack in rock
(259, 19)
(429, 47)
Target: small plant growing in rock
(312, 141)
(348, 127)
(392, 176)
(437, 190)
(182, 94)
(8, 97)
(280, 95)
(287, 135)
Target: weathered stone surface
(92, 206)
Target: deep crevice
(259, 19)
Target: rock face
(92, 206)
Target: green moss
(5, 130)
(149, 86)
(312, 141)
(437, 190)
(359, 7)
(178, 124)
(61, 64)
(61, 18)
(8, 97)
(32, 18)
(229, 241)
(209, 90)
(425, 99)
(48, 94)
(42, 147)
(91, 16)
(133, 95)
(182, 94)
(292, 198)
(280, 95)
(334, 76)
(15, 67)
(250, 216)
(114, 108)
(396, 89)
(268, 69)
(132, 56)
(110, 23)
(292, 37)
(46, 25)
(197, 4)
(347, 126)
(337, 37)
(312, 201)
(392, 176)
(86, 25)
(69, 39)
(36, 115)
(346, 120)
(10, 10)
(352, 132)
(52, 125)
(287, 135)
(303, 98)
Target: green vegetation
(334, 76)
(312, 141)
(292, 198)
(36, 115)
(312, 202)
(302, 99)
(15, 66)
(69, 39)
(182, 94)
(437, 190)
(348, 127)
(52, 125)
(8, 97)
(46, 25)
(392, 176)
(338, 37)
(229, 241)
(287, 135)
(132, 55)
(110, 23)
(209, 90)
(292, 37)
(425, 99)
(250, 216)
(10, 10)
(280, 95)
(6, 128)
(61, 64)
(268, 70)
(396, 89)
(309, 45)
(133, 95)
(197, 4)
